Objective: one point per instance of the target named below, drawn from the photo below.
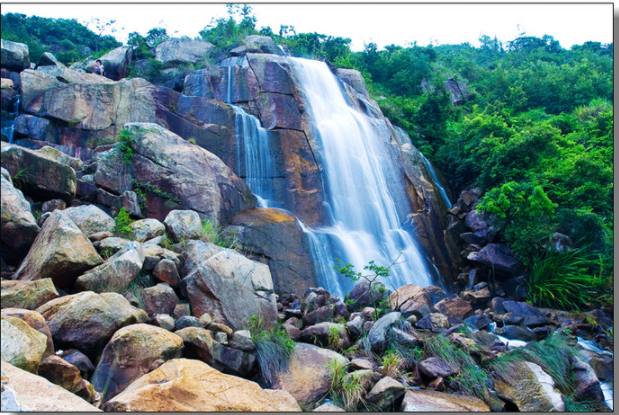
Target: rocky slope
(150, 314)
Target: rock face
(27, 294)
(176, 52)
(19, 228)
(187, 176)
(22, 345)
(531, 390)
(41, 175)
(307, 377)
(130, 353)
(86, 321)
(430, 401)
(60, 252)
(457, 90)
(354, 78)
(275, 235)
(188, 385)
(26, 393)
(15, 56)
(228, 286)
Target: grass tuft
(273, 349)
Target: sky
(383, 24)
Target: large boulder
(40, 175)
(307, 376)
(411, 299)
(87, 321)
(34, 320)
(354, 78)
(228, 286)
(48, 59)
(454, 307)
(531, 315)
(131, 353)
(90, 219)
(116, 62)
(183, 225)
(588, 386)
(19, 227)
(176, 52)
(51, 152)
(498, 257)
(386, 394)
(379, 331)
(22, 345)
(261, 44)
(277, 236)
(27, 294)
(182, 385)
(530, 389)
(60, 252)
(59, 371)
(146, 229)
(176, 173)
(15, 56)
(23, 392)
(457, 90)
(326, 335)
(431, 401)
(116, 274)
(160, 299)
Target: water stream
(436, 181)
(8, 124)
(364, 222)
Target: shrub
(126, 146)
(123, 222)
(564, 279)
(217, 236)
(391, 363)
(273, 349)
(346, 391)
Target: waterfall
(8, 124)
(255, 163)
(364, 221)
(436, 181)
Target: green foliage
(346, 390)
(69, 40)
(273, 349)
(226, 33)
(570, 280)
(472, 379)
(123, 221)
(391, 363)
(154, 190)
(217, 235)
(126, 146)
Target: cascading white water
(8, 124)
(257, 163)
(436, 181)
(364, 221)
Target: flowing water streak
(436, 181)
(364, 221)
(8, 124)
(257, 163)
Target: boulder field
(140, 274)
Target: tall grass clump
(567, 279)
(346, 389)
(471, 378)
(273, 349)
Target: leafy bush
(346, 390)
(126, 146)
(273, 349)
(123, 221)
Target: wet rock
(60, 252)
(478, 321)
(436, 294)
(378, 333)
(130, 353)
(411, 299)
(434, 367)
(86, 321)
(189, 385)
(532, 316)
(27, 294)
(454, 307)
(307, 377)
(499, 258)
(588, 386)
(516, 333)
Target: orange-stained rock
(191, 385)
(411, 299)
(34, 320)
